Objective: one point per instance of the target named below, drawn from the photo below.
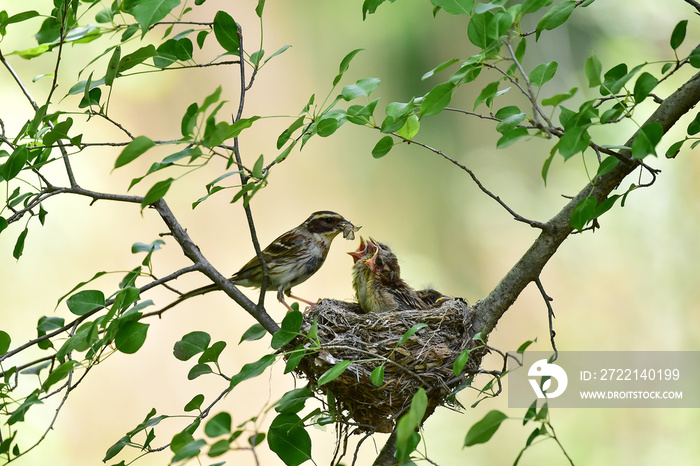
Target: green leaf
(185, 446)
(5, 342)
(614, 113)
(674, 149)
(555, 17)
(530, 6)
(139, 56)
(333, 373)
(149, 12)
(616, 78)
(344, 65)
(506, 112)
(293, 401)
(131, 337)
(289, 440)
(252, 369)
(113, 66)
(255, 332)
(133, 150)
(439, 68)
(23, 16)
(116, 448)
(407, 438)
(294, 358)
(606, 205)
(410, 332)
(477, 30)
(511, 136)
(291, 324)
(257, 171)
(521, 349)
(646, 82)
(460, 362)
(455, 7)
(194, 403)
(219, 448)
(85, 301)
(583, 212)
(218, 425)
(646, 140)
(574, 140)
(156, 192)
(694, 57)
(487, 94)
(482, 431)
(377, 376)
(363, 87)
(509, 123)
(694, 126)
(547, 163)
(410, 128)
(678, 34)
(559, 98)
(226, 32)
(382, 147)
(212, 353)
(607, 165)
(197, 370)
(18, 414)
(287, 133)
(58, 374)
(437, 99)
(543, 73)
(191, 344)
(15, 162)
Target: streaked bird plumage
(291, 258)
(378, 284)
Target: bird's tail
(190, 294)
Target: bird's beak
(357, 254)
(349, 230)
(373, 249)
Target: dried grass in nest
(424, 360)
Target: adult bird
(291, 258)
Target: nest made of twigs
(424, 360)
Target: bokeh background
(631, 285)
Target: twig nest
(369, 340)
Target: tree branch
(528, 268)
(203, 265)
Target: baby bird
(378, 284)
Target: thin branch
(61, 41)
(244, 177)
(81, 318)
(550, 314)
(19, 82)
(694, 4)
(530, 93)
(193, 253)
(516, 216)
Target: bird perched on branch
(291, 259)
(378, 284)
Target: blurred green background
(630, 286)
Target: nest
(369, 340)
